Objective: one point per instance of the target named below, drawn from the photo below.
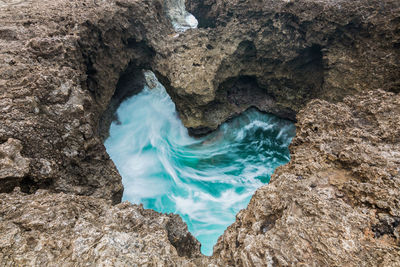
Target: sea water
(205, 180)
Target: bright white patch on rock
(151, 79)
(181, 19)
(190, 22)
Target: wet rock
(179, 17)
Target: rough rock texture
(60, 62)
(64, 68)
(45, 229)
(278, 55)
(13, 167)
(65, 65)
(337, 202)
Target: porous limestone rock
(277, 55)
(45, 229)
(337, 202)
(65, 65)
(60, 62)
(13, 167)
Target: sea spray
(181, 19)
(205, 180)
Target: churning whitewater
(205, 180)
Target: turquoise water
(206, 180)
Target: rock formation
(13, 167)
(337, 202)
(65, 65)
(277, 55)
(65, 230)
(60, 65)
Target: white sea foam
(206, 180)
(181, 19)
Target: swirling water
(205, 180)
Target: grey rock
(331, 65)
(13, 167)
(47, 229)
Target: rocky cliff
(278, 55)
(60, 65)
(66, 65)
(337, 202)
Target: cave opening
(206, 180)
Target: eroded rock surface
(337, 202)
(278, 55)
(13, 167)
(45, 229)
(65, 66)
(60, 64)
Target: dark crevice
(269, 222)
(8, 184)
(143, 53)
(29, 186)
(91, 72)
(209, 47)
(130, 83)
(242, 90)
(388, 225)
(202, 12)
(308, 70)
(246, 50)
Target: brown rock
(46, 229)
(278, 55)
(66, 65)
(60, 62)
(345, 209)
(13, 167)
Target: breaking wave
(205, 180)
